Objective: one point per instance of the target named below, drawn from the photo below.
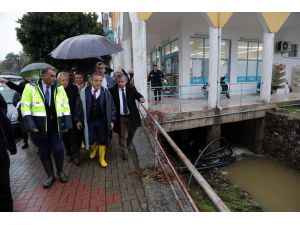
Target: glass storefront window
(260, 47)
(206, 48)
(196, 47)
(167, 49)
(225, 49)
(250, 57)
(174, 46)
(253, 50)
(199, 56)
(242, 49)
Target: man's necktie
(94, 94)
(47, 97)
(125, 110)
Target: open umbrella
(34, 69)
(85, 46)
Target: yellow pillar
(219, 19)
(115, 19)
(275, 20)
(144, 15)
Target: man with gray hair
(46, 114)
(71, 139)
(127, 115)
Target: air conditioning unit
(284, 46)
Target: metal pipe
(161, 165)
(190, 199)
(214, 198)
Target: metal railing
(177, 97)
(195, 97)
(249, 91)
(214, 198)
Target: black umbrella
(85, 46)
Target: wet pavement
(90, 187)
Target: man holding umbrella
(46, 114)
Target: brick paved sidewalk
(90, 187)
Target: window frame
(247, 77)
(204, 77)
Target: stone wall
(282, 137)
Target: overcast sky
(8, 37)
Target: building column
(267, 64)
(139, 54)
(212, 133)
(214, 66)
(184, 60)
(127, 54)
(259, 135)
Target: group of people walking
(59, 115)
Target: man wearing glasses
(108, 82)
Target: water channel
(272, 185)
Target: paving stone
(135, 205)
(89, 188)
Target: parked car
(12, 111)
(13, 78)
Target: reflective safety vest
(34, 111)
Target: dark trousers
(126, 133)
(157, 93)
(97, 131)
(6, 202)
(72, 142)
(25, 137)
(51, 143)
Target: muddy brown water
(272, 185)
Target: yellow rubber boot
(93, 150)
(101, 156)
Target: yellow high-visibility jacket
(34, 111)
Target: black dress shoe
(68, 158)
(76, 161)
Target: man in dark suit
(95, 112)
(46, 114)
(73, 137)
(7, 146)
(127, 115)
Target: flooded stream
(272, 185)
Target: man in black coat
(73, 138)
(7, 146)
(127, 115)
(3, 104)
(155, 78)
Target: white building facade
(194, 48)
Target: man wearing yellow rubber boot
(96, 114)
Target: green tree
(13, 63)
(41, 32)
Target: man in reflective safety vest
(46, 114)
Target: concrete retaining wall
(282, 137)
